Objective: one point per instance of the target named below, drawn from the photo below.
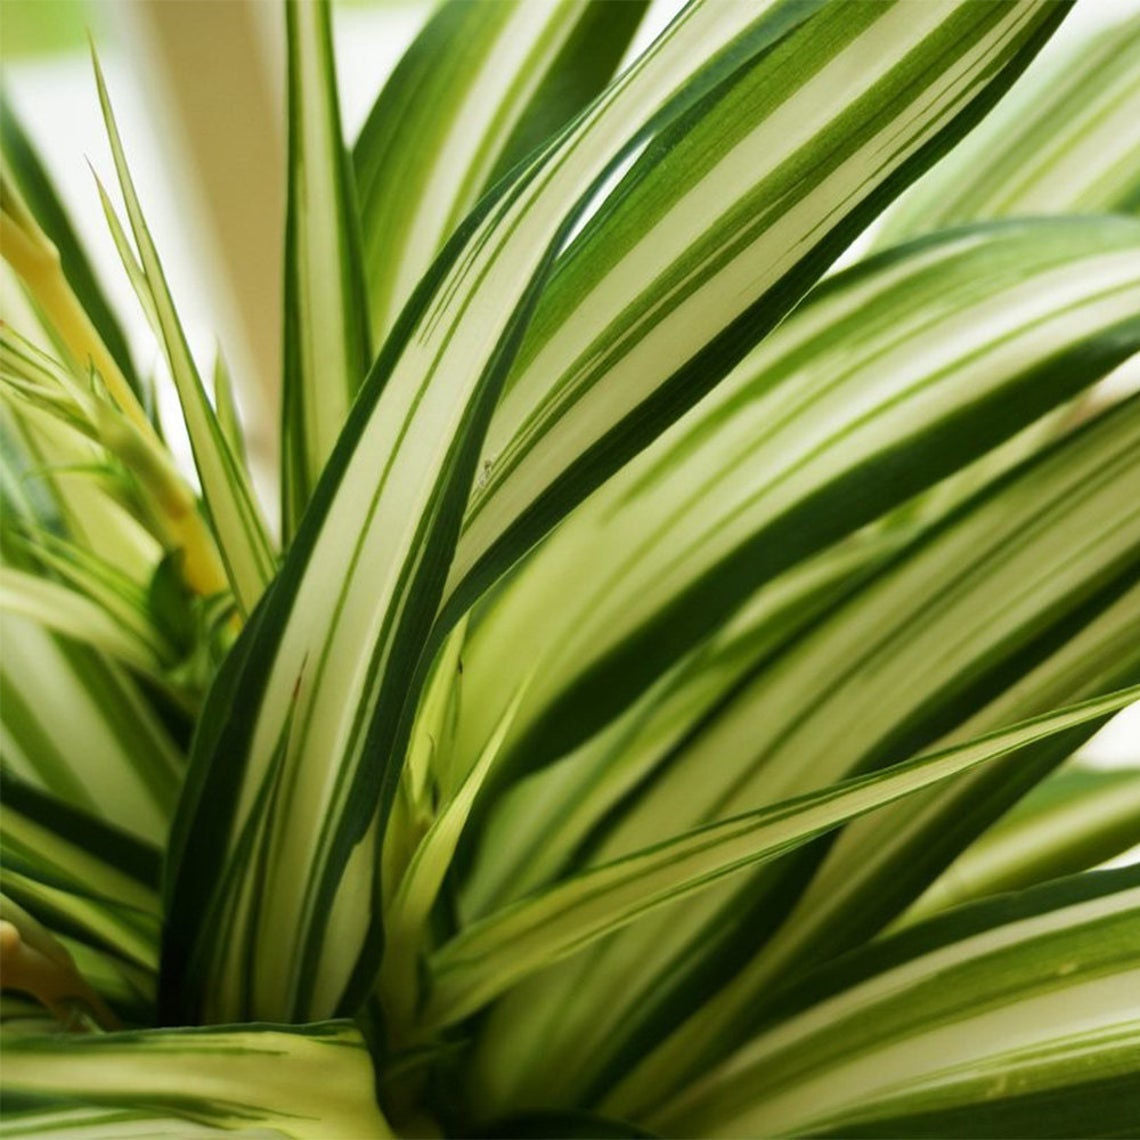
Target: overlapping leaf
(716, 232)
(311, 1083)
(901, 371)
(1000, 1019)
(481, 87)
(492, 955)
(1029, 596)
(1066, 139)
(235, 516)
(91, 885)
(327, 669)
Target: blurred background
(198, 87)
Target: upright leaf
(481, 87)
(27, 170)
(326, 320)
(237, 523)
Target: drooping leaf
(715, 233)
(900, 371)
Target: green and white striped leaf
(480, 88)
(881, 864)
(327, 349)
(72, 614)
(1001, 1019)
(492, 955)
(899, 372)
(234, 514)
(1067, 139)
(225, 404)
(542, 823)
(74, 851)
(94, 886)
(718, 230)
(341, 647)
(411, 443)
(1012, 608)
(310, 1083)
(1073, 821)
(76, 725)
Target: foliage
(657, 712)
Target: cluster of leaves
(656, 714)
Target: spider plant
(655, 710)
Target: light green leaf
(1027, 599)
(1001, 1019)
(310, 1083)
(406, 918)
(492, 955)
(225, 403)
(235, 516)
(480, 88)
(42, 448)
(1067, 139)
(327, 348)
(1075, 820)
(66, 611)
